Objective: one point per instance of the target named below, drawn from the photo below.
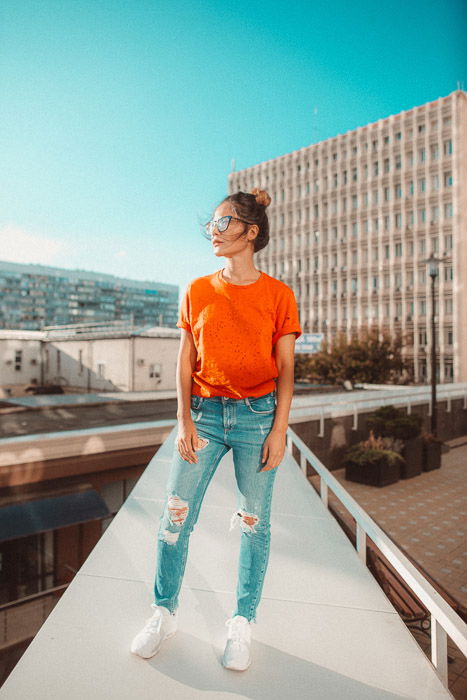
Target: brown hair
(251, 206)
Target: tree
(371, 356)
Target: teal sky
(119, 120)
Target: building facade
(35, 296)
(84, 358)
(354, 218)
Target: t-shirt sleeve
(287, 320)
(184, 315)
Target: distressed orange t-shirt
(235, 328)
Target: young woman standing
(235, 379)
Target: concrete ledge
(324, 630)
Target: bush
(388, 421)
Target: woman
(238, 331)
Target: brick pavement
(427, 517)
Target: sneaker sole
(149, 656)
(235, 668)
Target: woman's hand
(187, 440)
(273, 449)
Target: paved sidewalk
(426, 516)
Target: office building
(354, 219)
(33, 297)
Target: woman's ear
(255, 230)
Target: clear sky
(119, 120)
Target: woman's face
(231, 242)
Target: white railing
(371, 398)
(444, 621)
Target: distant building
(90, 357)
(35, 296)
(353, 219)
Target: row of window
(381, 311)
(447, 179)
(316, 239)
(423, 215)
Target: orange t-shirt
(235, 328)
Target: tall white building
(354, 218)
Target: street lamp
(433, 270)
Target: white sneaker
(160, 626)
(237, 655)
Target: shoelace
(153, 622)
(237, 629)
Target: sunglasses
(222, 224)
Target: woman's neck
(240, 271)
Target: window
(447, 147)
(422, 184)
(354, 228)
(386, 165)
(449, 337)
(422, 307)
(434, 245)
(448, 179)
(411, 187)
(387, 194)
(398, 190)
(448, 211)
(80, 361)
(434, 151)
(410, 158)
(421, 128)
(398, 220)
(421, 246)
(18, 360)
(448, 241)
(398, 162)
(398, 250)
(448, 306)
(375, 167)
(354, 201)
(421, 216)
(398, 136)
(421, 155)
(387, 254)
(448, 274)
(101, 370)
(435, 182)
(434, 214)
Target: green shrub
(388, 421)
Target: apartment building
(35, 296)
(354, 219)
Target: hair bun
(261, 196)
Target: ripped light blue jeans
(223, 423)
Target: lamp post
(433, 270)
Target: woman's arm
(274, 445)
(187, 438)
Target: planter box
(413, 453)
(379, 473)
(431, 456)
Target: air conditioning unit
(140, 363)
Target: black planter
(413, 454)
(431, 456)
(377, 473)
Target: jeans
(224, 423)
